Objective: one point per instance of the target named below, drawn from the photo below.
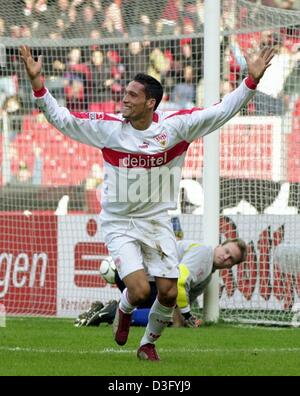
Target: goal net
(51, 245)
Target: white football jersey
(142, 169)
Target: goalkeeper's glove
(191, 320)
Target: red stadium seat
(65, 161)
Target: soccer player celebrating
(143, 151)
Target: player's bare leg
(136, 292)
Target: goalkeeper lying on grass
(197, 264)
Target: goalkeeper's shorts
(136, 244)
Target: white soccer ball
(296, 315)
(108, 270)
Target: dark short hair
(153, 88)
(241, 245)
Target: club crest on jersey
(92, 116)
(162, 139)
(96, 116)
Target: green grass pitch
(54, 347)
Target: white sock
(125, 305)
(159, 318)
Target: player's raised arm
(83, 127)
(33, 67)
(202, 122)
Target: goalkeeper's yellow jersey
(196, 264)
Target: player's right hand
(192, 321)
(33, 67)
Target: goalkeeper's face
(226, 256)
(135, 104)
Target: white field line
(163, 350)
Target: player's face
(135, 104)
(227, 255)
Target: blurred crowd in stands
(106, 18)
(92, 77)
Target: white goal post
(211, 149)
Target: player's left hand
(258, 63)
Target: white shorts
(136, 244)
